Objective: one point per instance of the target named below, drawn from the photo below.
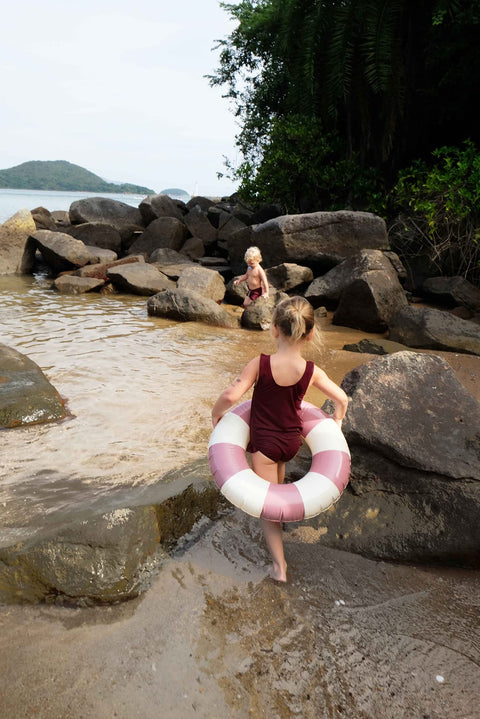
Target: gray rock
(375, 347)
(15, 257)
(74, 285)
(189, 306)
(199, 225)
(452, 291)
(166, 232)
(193, 248)
(288, 275)
(139, 278)
(204, 203)
(258, 315)
(98, 559)
(203, 281)
(43, 219)
(427, 328)
(61, 251)
(97, 234)
(316, 238)
(228, 226)
(370, 301)
(155, 206)
(99, 271)
(412, 429)
(328, 288)
(105, 211)
(26, 395)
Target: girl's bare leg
(272, 472)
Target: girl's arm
(237, 389)
(243, 278)
(321, 381)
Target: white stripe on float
(247, 491)
(326, 436)
(318, 493)
(231, 429)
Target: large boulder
(288, 275)
(43, 219)
(427, 328)
(105, 211)
(139, 278)
(327, 289)
(26, 395)
(155, 206)
(199, 225)
(414, 492)
(189, 306)
(98, 559)
(453, 291)
(316, 239)
(370, 302)
(14, 233)
(61, 251)
(97, 234)
(166, 232)
(203, 281)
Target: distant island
(60, 175)
(175, 192)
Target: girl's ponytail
(294, 318)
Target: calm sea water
(13, 200)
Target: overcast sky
(118, 88)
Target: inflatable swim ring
(312, 494)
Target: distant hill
(175, 192)
(61, 175)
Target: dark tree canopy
(390, 80)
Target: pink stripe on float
(334, 464)
(283, 503)
(243, 411)
(311, 416)
(225, 460)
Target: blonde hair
(294, 317)
(253, 253)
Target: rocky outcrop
(189, 306)
(26, 395)
(14, 233)
(288, 275)
(199, 225)
(168, 232)
(97, 234)
(427, 328)
(43, 219)
(61, 251)
(370, 302)
(139, 278)
(317, 239)
(258, 314)
(328, 288)
(105, 211)
(202, 281)
(412, 429)
(155, 206)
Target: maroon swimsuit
(275, 426)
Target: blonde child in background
(255, 277)
(281, 381)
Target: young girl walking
(281, 381)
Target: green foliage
(438, 210)
(303, 169)
(59, 175)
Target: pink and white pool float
(321, 487)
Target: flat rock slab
(434, 329)
(72, 285)
(26, 395)
(189, 306)
(140, 278)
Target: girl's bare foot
(279, 572)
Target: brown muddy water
(213, 637)
(139, 391)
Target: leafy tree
(389, 79)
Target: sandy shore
(214, 637)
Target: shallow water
(138, 389)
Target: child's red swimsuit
(255, 294)
(275, 426)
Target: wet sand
(214, 637)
